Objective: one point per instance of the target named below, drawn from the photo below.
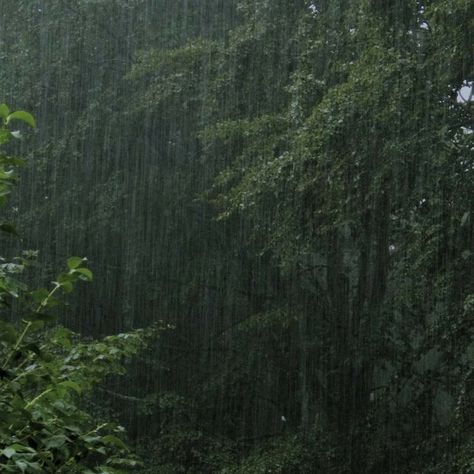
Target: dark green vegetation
(44, 369)
(290, 184)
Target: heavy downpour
(236, 236)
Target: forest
(237, 236)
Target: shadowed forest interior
(276, 201)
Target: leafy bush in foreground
(45, 368)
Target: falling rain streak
(289, 185)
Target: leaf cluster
(45, 369)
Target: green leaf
(21, 465)
(8, 332)
(55, 441)
(72, 385)
(62, 337)
(114, 441)
(11, 160)
(5, 136)
(67, 286)
(34, 467)
(74, 262)
(85, 272)
(40, 294)
(8, 452)
(20, 448)
(23, 116)
(4, 111)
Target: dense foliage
(45, 368)
(287, 182)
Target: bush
(45, 368)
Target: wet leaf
(22, 116)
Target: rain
(285, 189)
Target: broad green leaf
(11, 160)
(21, 465)
(20, 448)
(34, 467)
(114, 441)
(62, 337)
(74, 262)
(5, 136)
(36, 325)
(8, 332)
(72, 385)
(23, 116)
(85, 272)
(73, 429)
(92, 439)
(40, 294)
(67, 286)
(55, 441)
(8, 452)
(4, 111)
(65, 277)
